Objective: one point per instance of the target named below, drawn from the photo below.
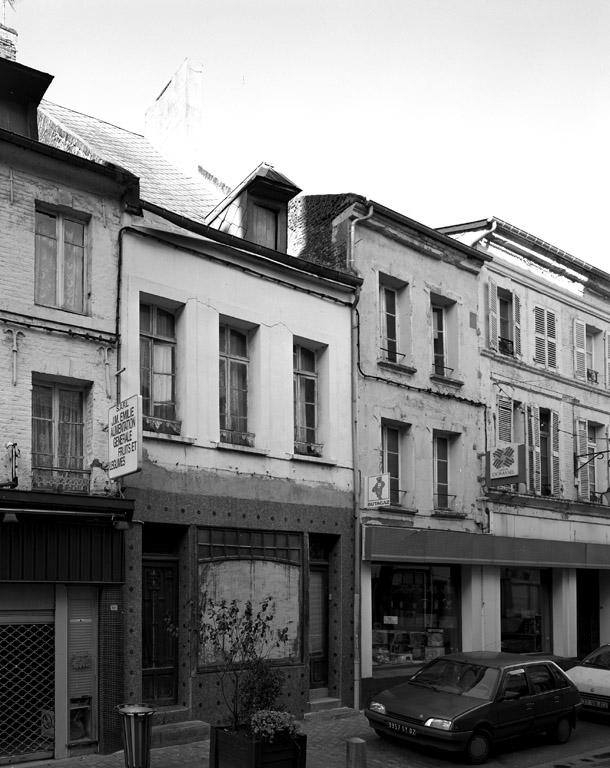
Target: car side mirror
(510, 695)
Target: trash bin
(137, 730)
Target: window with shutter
(545, 334)
(504, 315)
(533, 449)
(581, 433)
(551, 340)
(505, 419)
(492, 302)
(554, 457)
(580, 353)
(517, 324)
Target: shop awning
(390, 544)
(26, 503)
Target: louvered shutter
(492, 303)
(580, 352)
(505, 419)
(555, 472)
(581, 430)
(540, 336)
(607, 355)
(516, 324)
(551, 339)
(535, 474)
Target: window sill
(313, 459)
(56, 308)
(450, 381)
(168, 438)
(447, 514)
(398, 508)
(241, 448)
(399, 367)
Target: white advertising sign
(125, 437)
(504, 461)
(378, 490)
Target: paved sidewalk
(327, 734)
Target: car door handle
(529, 707)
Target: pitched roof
(160, 183)
(263, 171)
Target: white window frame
(397, 479)
(445, 360)
(153, 422)
(56, 389)
(389, 345)
(394, 350)
(227, 359)
(443, 499)
(60, 298)
(300, 378)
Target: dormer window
(264, 225)
(267, 221)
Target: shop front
(427, 593)
(61, 570)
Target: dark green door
(159, 645)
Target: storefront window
(526, 613)
(415, 613)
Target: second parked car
(592, 678)
(469, 701)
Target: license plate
(595, 703)
(400, 728)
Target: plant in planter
(239, 639)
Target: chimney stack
(174, 123)
(8, 43)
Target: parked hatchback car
(592, 678)
(466, 702)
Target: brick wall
(310, 228)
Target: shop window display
(415, 613)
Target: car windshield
(461, 678)
(599, 658)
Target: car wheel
(563, 730)
(478, 748)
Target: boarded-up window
(252, 565)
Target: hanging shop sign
(378, 490)
(125, 437)
(506, 464)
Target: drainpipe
(357, 528)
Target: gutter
(115, 173)
(294, 262)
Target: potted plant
(238, 639)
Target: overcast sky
(444, 110)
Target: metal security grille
(27, 674)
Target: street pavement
(328, 733)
